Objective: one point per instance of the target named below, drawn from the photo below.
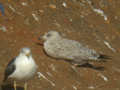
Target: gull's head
(51, 35)
(26, 51)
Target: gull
(21, 68)
(57, 46)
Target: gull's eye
(48, 35)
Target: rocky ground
(95, 23)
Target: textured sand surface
(93, 22)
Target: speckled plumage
(55, 45)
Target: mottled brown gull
(55, 45)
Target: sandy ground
(92, 22)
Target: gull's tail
(102, 56)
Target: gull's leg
(25, 86)
(15, 85)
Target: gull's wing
(9, 69)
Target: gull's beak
(40, 38)
(41, 41)
(28, 54)
(38, 41)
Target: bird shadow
(10, 87)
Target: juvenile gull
(55, 45)
(21, 68)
